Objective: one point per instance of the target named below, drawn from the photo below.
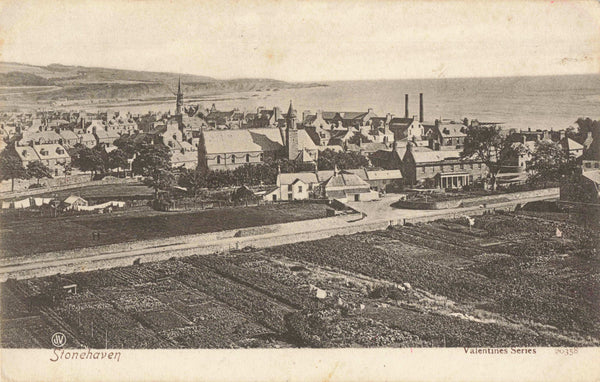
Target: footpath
(372, 216)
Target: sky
(308, 40)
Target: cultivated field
(507, 282)
(37, 234)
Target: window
(479, 165)
(451, 167)
(423, 169)
(247, 157)
(290, 188)
(462, 166)
(471, 166)
(218, 159)
(262, 157)
(233, 158)
(310, 187)
(299, 188)
(596, 165)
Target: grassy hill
(59, 82)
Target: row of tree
(97, 160)
(549, 162)
(266, 172)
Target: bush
(36, 185)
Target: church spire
(179, 102)
(291, 113)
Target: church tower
(179, 102)
(291, 131)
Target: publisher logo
(59, 339)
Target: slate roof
(27, 153)
(68, 135)
(569, 144)
(434, 156)
(594, 176)
(290, 178)
(52, 150)
(72, 199)
(346, 180)
(251, 140)
(452, 129)
(383, 174)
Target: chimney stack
(406, 106)
(420, 107)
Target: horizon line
(305, 81)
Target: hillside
(24, 84)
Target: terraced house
(53, 155)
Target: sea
(543, 102)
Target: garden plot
(509, 282)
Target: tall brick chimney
(420, 107)
(406, 106)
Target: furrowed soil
(508, 281)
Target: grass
(38, 235)
(102, 191)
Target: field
(506, 282)
(21, 237)
(103, 191)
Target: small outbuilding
(73, 203)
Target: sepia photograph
(294, 181)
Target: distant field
(44, 234)
(432, 285)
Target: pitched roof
(594, 176)
(68, 135)
(452, 129)
(178, 158)
(434, 156)
(349, 115)
(72, 199)
(27, 153)
(252, 140)
(371, 147)
(51, 151)
(383, 174)
(289, 178)
(401, 121)
(569, 144)
(87, 137)
(346, 180)
(41, 136)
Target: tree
(487, 144)
(127, 145)
(193, 180)
(154, 163)
(38, 170)
(549, 162)
(11, 167)
(344, 160)
(90, 160)
(117, 159)
(358, 138)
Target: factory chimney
(420, 107)
(406, 106)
